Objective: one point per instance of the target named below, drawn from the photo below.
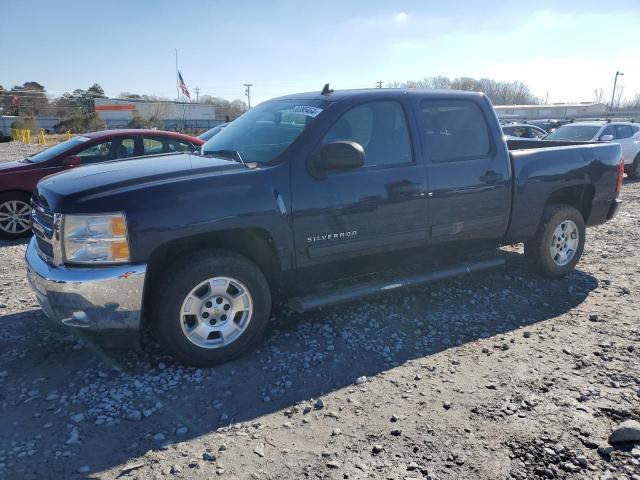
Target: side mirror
(71, 161)
(606, 138)
(341, 155)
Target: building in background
(174, 115)
(556, 110)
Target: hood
(12, 166)
(105, 179)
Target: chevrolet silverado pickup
(299, 192)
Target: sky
(563, 50)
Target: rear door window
(453, 130)
(127, 148)
(623, 131)
(158, 145)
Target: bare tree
(598, 95)
(633, 104)
(500, 93)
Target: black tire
(537, 250)
(634, 171)
(186, 274)
(6, 226)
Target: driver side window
(610, 130)
(380, 128)
(95, 153)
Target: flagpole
(177, 82)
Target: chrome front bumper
(94, 298)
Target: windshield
(211, 132)
(56, 150)
(263, 133)
(574, 132)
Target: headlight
(95, 238)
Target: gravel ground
(17, 150)
(505, 375)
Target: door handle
(490, 177)
(404, 189)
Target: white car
(522, 131)
(627, 134)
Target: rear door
(379, 207)
(469, 173)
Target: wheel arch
(256, 244)
(15, 190)
(578, 196)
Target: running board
(324, 299)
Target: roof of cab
(338, 95)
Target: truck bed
(535, 144)
(540, 167)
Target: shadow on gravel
(139, 395)
(11, 243)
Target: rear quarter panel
(540, 172)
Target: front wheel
(559, 242)
(15, 215)
(211, 307)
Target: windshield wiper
(26, 160)
(232, 154)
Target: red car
(18, 178)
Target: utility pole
(613, 94)
(379, 84)
(197, 90)
(247, 92)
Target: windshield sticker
(306, 110)
(83, 139)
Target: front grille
(45, 247)
(42, 224)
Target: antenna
(326, 90)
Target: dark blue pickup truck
(303, 190)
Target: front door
(379, 207)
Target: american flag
(183, 87)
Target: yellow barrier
(24, 135)
(21, 134)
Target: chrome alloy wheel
(15, 217)
(216, 312)
(564, 243)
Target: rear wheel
(212, 307)
(559, 242)
(15, 215)
(634, 171)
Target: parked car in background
(549, 125)
(212, 132)
(517, 131)
(18, 178)
(627, 134)
(301, 190)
